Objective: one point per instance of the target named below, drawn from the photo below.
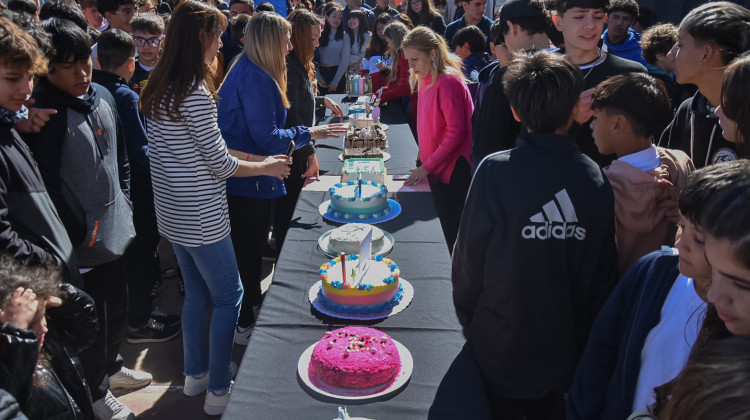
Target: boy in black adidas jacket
(535, 257)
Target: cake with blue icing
(359, 200)
(347, 289)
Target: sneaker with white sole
(195, 385)
(129, 379)
(152, 331)
(216, 404)
(242, 334)
(110, 408)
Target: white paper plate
(325, 245)
(406, 298)
(386, 156)
(317, 386)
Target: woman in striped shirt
(189, 165)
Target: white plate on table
(407, 295)
(317, 386)
(324, 242)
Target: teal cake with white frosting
(359, 200)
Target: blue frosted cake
(359, 200)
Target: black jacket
(695, 130)
(534, 261)
(607, 375)
(493, 127)
(72, 328)
(30, 228)
(302, 100)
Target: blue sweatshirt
(251, 118)
(629, 49)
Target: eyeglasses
(151, 42)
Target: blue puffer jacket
(251, 118)
(630, 49)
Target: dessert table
(445, 383)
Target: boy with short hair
(470, 45)
(473, 16)
(582, 24)
(644, 333)
(89, 9)
(535, 256)
(116, 49)
(25, 6)
(119, 13)
(148, 32)
(656, 42)
(619, 38)
(82, 159)
(521, 26)
(230, 44)
(629, 110)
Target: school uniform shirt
(189, 165)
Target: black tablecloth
(401, 145)
(445, 383)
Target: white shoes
(129, 379)
(216, 404)
(197, 385)
(109, 408)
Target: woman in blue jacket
(252, 111)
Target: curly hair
(18, 50)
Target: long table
(445, 383)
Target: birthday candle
(343, 268)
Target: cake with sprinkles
(355, 358)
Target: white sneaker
(129, 379)
(242, 335)
(109, 408)
(196, 386)
(216, 404)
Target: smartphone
(290, 149)
(401, 177)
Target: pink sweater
(443, 125)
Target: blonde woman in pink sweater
(443, 125)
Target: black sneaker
(152, 332)
(168, 320)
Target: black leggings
(449, 200)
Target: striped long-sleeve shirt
(189, 165)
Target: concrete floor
(163, 399)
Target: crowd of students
(592, 186)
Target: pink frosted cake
(355, 358)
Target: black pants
(328, 73)
(551, 407)
(249, 218)
(285, 204)
(141, 263)
(449, 200)
(105, 284)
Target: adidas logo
(556, 220)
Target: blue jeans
(211, 277)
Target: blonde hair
(266, 36)
(426, 40)
(396, 31)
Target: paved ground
(163, 399)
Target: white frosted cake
(367, 169)
(348, 238)
(349, 201)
